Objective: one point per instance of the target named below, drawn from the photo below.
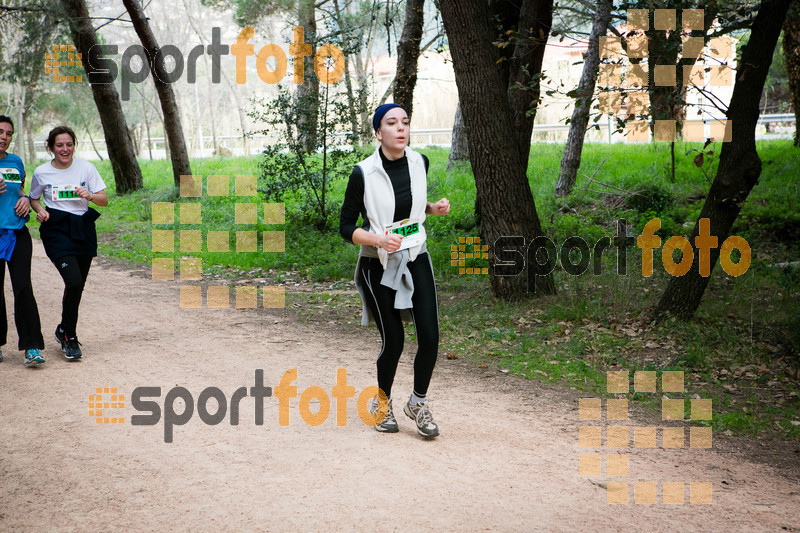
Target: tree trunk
(169, 106)
(535, 20)
(739, 164)
(308, 91)
(232, 88)
(26, 127)
(135, 140)
(408, 55)
(791, 54)
(147, 129)
(507, 206)
(710, 12)
(23, 126)
(210, 106)
(94, 146)
(352, 105)
(166, 139)
(88, 130)
(663, 49)
(29, 137)
(201, 141)
(213, 121)
(127, 175)
(361, 78)
(571, 160)
(459, 145)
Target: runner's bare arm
(99, 198)
(390, 243)
(41, 213)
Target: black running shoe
(61, 337)
(69, 345)
(73, 350)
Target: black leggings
(74, 269)
(26, 313)
(380, 300)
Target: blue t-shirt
(13, 172)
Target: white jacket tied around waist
(379, 202)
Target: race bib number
(411, 230)
(63, 192)
(11, 175)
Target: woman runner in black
(394, 274)
(16, 248)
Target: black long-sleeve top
(353, 205)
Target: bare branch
(711, 97)
(433, 40)
(23, 9)
(110, 20)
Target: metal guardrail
(234, 143)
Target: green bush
(649, 197)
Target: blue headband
(380, 112)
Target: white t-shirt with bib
(79, 174)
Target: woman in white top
(394, 274)
(68, 186)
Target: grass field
(742, 349)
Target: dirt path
(507, 458)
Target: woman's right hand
(2, 185)
(390, 243)
(43, 216)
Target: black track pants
(380, 300)
(26, 313)
(74, 269)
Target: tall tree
(169, 106)
(308, 90)
(408, 55)
(349, 37)
(739, 164)
(571, 160)
(233, 89)
(251, 12)
(667, 102)
(127, 175)
(459, 146)
(528, 22)
(498, 104)
(28, 30)
(791, 55)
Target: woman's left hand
(442, 207)
(23, 206)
